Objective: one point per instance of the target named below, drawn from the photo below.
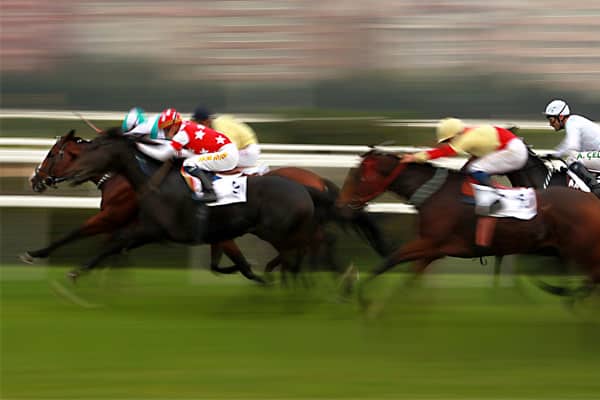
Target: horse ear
(70, 135)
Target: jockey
(581, 145)
(136, 123)
(211, 150)
(494, 150)
(133, 118)
(238, 132)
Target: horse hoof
(73, 275)
(26, 258)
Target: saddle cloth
(520, 203)
(229, 189)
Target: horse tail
(360, 221)
(324, 201)
(365, 226)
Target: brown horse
(567, 222)
(119, 207)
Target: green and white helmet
(133, 118)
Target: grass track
(188, 334)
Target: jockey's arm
(444, 150)
(569, 144)
(161, 152)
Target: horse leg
(216, 253)
(417, 249)
(584, 291)
(103, 222)
(424, 250)
(497, 266)
(130, 237)
(30, 256)
(234, 253)
(419, 266)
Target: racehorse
(277, 210)
(119, 206)
(567, 221)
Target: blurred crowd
(260, 40)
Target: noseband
(50, 180)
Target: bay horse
(567, 221)
(119, 207)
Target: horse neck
(411, 179)
(534, 174)
(130, 168)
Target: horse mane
(113, 132)
(427, 165)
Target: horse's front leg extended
(72, 236)
(104, 222)
(419, 249)
(130, 237)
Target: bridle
(357, 202)
(51, 180)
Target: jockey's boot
(486, 180)
(586, 176)
(208, 193)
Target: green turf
(188, 334)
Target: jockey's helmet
(168, 118)
(201, 114)
(556, 108)
(448, 128)
(133, 118)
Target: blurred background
(327, 73)
(428, 58)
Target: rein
(384, 185)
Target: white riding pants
(224, 159)
(249, 155)
(511, 158)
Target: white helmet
(557, 107)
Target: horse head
(60, 157)
(372, 177)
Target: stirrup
(205, 197)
